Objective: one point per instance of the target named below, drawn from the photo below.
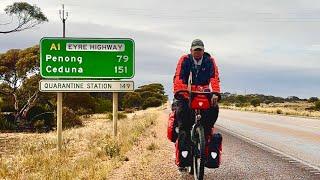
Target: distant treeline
(257, 99)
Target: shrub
(40, 118)
(76, 101)
(238, 105)
(70, 119)
(267, 102)
(226, 103)
(6, 123)
(112, 148)
(129, 110)
(313, 99)
(38, 112)
(279, 111)
(242, 104)
(151, 102)
(39, 125)
(103, 105)
(241, 99)
(83, 111)
(317, 106)
(255, 102)
(152, 147)
(34, 112)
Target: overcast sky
(266, 46)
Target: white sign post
(115, 112)
(59, 120)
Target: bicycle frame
(197, 134)
(198, 147)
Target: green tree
(255, 102)
(146, 94)
(1, 103)
(154, 87)
(151, 102)
(317, 105)
(76, 101)
(102, 105)
(26, 15)
(132, 99)
(241, 99)
(15, 67)
(313, 99)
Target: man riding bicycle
(200, 68)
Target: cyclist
(205, 76)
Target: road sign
(85, 86)
(87, 58)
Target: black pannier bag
(183, 154)
(214, 151)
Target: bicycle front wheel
(199, 154)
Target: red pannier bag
(200, 102)
(172, 129)
(214, 151)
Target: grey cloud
(262, 46)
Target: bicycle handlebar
(176, 94)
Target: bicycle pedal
(182, 169)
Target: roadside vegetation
(291, 105)
(89, 152)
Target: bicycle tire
(198, 163)
(191, 169)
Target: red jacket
(203, 77)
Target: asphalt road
(297, 137)
(242, 160)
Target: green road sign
(87, 58)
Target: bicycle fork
(195, 125)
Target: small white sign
(108, 47)
(85, 86)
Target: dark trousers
(185, 117)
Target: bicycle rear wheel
(199, 154)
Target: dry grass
(89, 152)
(290, 109)
(152, 147)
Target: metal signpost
(86, 59)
